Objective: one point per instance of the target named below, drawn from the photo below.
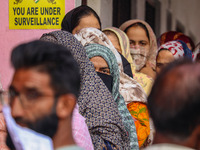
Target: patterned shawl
(100, 50)
(95, 101)
(151, 58)
(123, 42)
(93, 35)
(177, 48)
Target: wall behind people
(104, 9)
(10, 38)
(167, 15)
(172, 17)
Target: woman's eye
(105, 71)
(143, 43)
(132, 43)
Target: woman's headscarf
(177, 48)
(151, 57)
(67, 21)
(95, 102)
(93, 35)
(93, 50)
(174, 35)
(72, 18)
(123, 42)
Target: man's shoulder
(73, 147)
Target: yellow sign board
(36, 14)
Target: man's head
(45, 86)
(174, 101)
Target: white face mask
(139, 56)
(24, 138)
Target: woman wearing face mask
(121, 42)
(143, 46)
(105, 65)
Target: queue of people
(112, 89)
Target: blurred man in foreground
(44, 90)
(174, 105)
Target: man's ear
(65, 105)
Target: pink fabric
(80, 131)
(174, 47)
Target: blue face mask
(107, 79)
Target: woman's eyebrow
(104, 67)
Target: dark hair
(55, 60)
(174, 101)
(138, 24)
(72, 18)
